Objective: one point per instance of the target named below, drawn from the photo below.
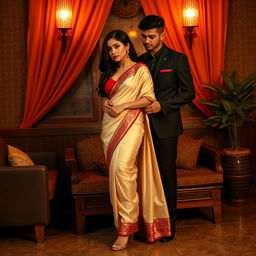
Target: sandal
(120, 245)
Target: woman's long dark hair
(107, 65)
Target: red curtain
(206, 58)
(50, 71)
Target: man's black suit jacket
(173, 85)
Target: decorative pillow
(187, 152)
(16, 157)
(101, 165)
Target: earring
(127, 51)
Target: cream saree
(135, 185)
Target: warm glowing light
(190, 20)
(132, 33)
(64, 14)
(190, 13)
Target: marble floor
(195, 235)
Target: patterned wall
(241, 37)
(240, 50)
(13, 61)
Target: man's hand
(154, 107)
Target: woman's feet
(120, 243)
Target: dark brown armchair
(26, 191)
(200, 187)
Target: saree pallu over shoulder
(135, 185)
(131, 71)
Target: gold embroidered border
(151, 231)
(158, 229)
(127, 229)
(133, 69)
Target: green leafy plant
(232, 105)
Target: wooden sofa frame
(188, 195)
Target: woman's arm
(139, 103)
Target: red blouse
(109, 85)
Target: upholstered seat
(26, 191)
(201, 176)
(92, 181)
(200, 187)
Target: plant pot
(237, 174)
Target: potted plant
(232, 105)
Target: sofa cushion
(100, 163)
(95, 180)
(91, 176)
(3, 152)
(200, 177)
(85, 156)
(187, 152)
(16, 157)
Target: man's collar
(159, 52)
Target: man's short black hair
(151, 21)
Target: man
(173, 85)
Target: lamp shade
(190, 13)
(64, 14)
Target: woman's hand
(106, 105)
(116, 110)
(110, 109)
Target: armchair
(26, 191)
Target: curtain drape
(206, 58)
(51, 71)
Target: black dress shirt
(152, 60)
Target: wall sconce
(132, 33)
(64, 20)
(190, 19)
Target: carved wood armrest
(210, 157)
(71, 163)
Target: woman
(135, 186)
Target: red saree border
(150, 231)
(158, 229)
(129, 72)
(121, 130)
(127, 229)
